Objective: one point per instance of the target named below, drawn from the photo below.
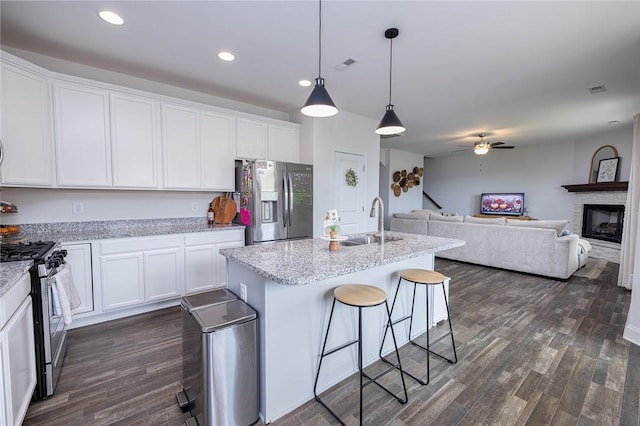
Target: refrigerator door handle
(290, 198)
(285, 208)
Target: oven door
(55, 335)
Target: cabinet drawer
(125, 245)
(214, 237)
(12, 299)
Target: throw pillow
(558, 225)
(435, 216)
(485, 221)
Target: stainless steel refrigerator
(275, 200)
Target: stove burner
(10, 252)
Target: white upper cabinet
(264, 140)
(180, 147)
(217, 133)
(27, 127)
(134, 141)
(83, 154)
(197, 149)
(284, 143)
(251, 139)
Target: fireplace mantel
(595, 187)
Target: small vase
(333, 245)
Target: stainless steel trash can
(220, 363)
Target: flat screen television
(502, 204)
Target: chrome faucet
(380, 216)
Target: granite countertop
(100, 230)
(10, 272)
(97, 230)
(300, 262)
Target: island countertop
(300, 262)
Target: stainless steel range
(49, 328)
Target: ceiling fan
(482, 147)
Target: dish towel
(68, 297)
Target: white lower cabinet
(17, 353)
(205, 267)
(134, 271)
(79, 258)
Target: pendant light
(319, 103)
(390, 123)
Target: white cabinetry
(139, 270)
(134, 136)
(284, 143)
(27, 125)
(83, 154)
(262, 140)
(17, 352)
(197, 149)
(205, 267)
(251, 139)
(79, 258)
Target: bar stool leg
(453, 343)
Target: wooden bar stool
(360, 296)
(427, 278)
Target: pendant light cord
(319, 37)
(390, 67)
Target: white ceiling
(519, 71)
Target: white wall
(345, 132)
(55, 205)
(395, 160)
(457, 181)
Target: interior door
(349, 200)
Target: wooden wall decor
(403, 180)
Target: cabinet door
(122, 280)
(284, 143)
(200, 268)
(181, 153)
(221, 262)
(134, 141)
(217, 159)
(27, 134)
(163, 272)
(82, 136)
(79, 257)
(251, 139)
(18, 363)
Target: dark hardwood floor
(531, 350)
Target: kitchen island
(290, 284)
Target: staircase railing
(434, 202)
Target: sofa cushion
(408, 216)
(485, 221)
(436, 216)
(422, 214)
(558, 225)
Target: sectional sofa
(537, 247)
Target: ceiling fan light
(390, 123)
(319, 103)
(480, 148)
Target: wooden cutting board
(224, 208)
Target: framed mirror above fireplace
(602, 153)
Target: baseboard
(632, 334)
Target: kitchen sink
(367, 239)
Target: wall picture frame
(608, 170)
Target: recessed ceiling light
(226, 56)
(614, 123)
(304, 83)
(111, 17)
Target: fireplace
(602, 222)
